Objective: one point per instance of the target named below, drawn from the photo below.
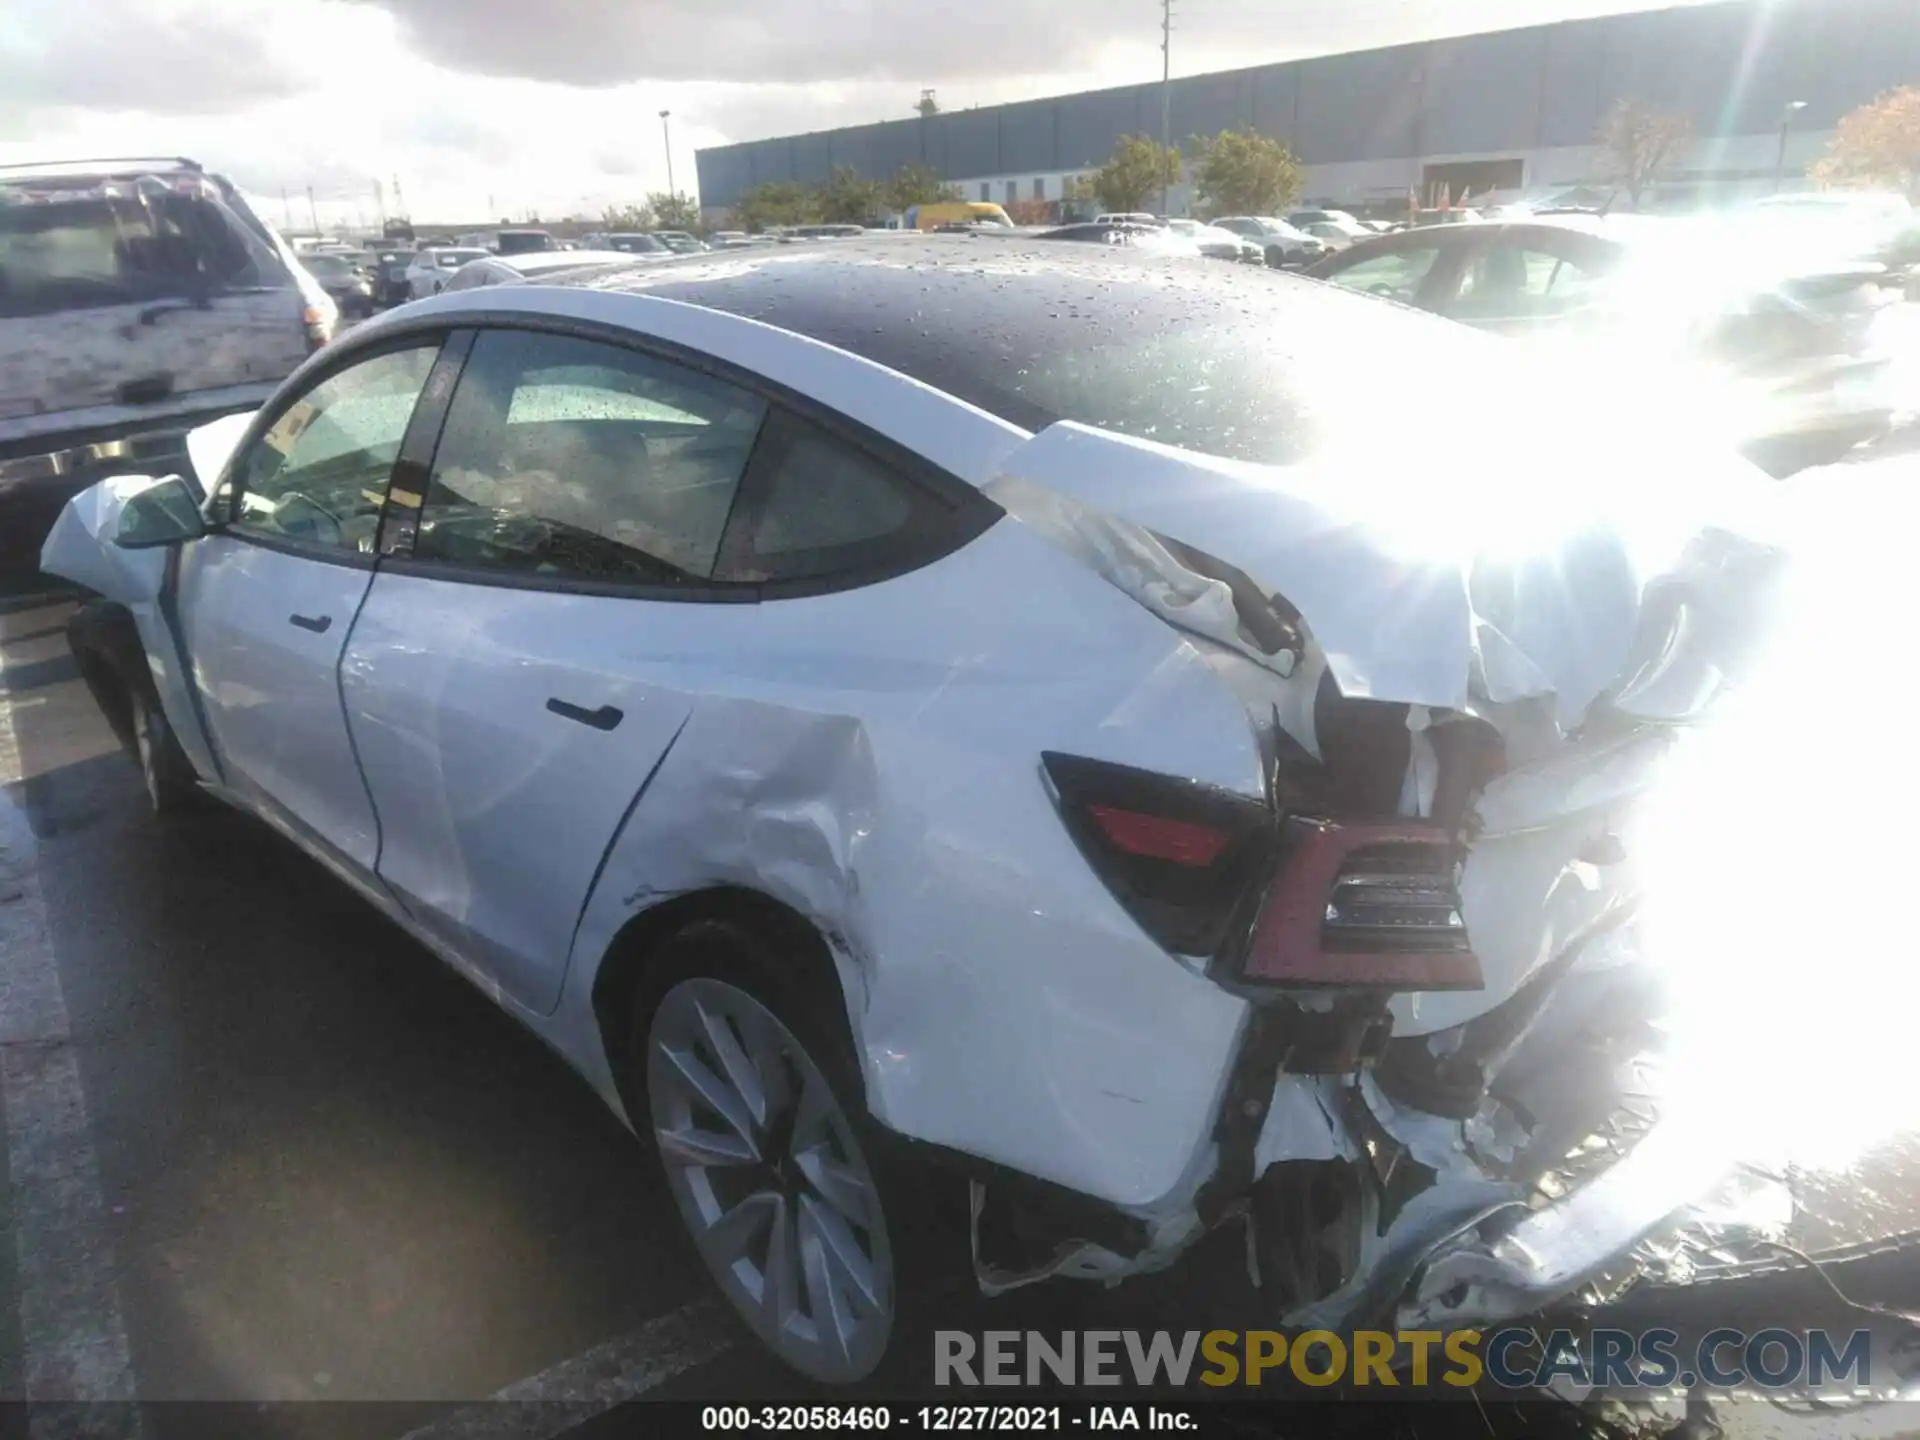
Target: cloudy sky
(552, 105)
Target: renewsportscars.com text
(1515, 1358)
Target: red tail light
(1184, 859)
(1157, 838)
(1370, 906)
(1304, 904)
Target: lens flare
(1774, 848)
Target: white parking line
(575, 1391)
(73, 1339)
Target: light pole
(1166, 87)
(1793, 107)
(666, 139)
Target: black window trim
(906, 552)
(310, 379)
(972, 513)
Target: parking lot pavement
(262, 1148)
(326, 1166)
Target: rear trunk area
(1453, 1103)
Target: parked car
(390, 275)
(1786, 345)
(682, 243)
(1154, 239)
(431, 269)
(631, 242)
(981, 778)
(1337, 229)
(137, 294)
(1279, 242)
(1127, 217)
(543, 267)
(521, 242)
(1215, 243)
(1306, 219)
(941, 213)
(349, 285)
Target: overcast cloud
(552, 105)
(129, 55)
(604, 42)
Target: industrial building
(1764, 81)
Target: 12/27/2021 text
(946, 1419)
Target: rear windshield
(76, 251)
(524, 242)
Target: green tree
(1138, 169)
(926, 105)
(1877, 146)
(620, 218)
(1639, 143)
(777, 202)
(1077, 200)
(1246, 173)
(917, 185)
(677, 211)
(849, 198)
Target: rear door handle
(605, 718)
(316, 623)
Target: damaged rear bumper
(1515, 1261)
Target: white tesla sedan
(1039, 726)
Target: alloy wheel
(771, 1181)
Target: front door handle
(316, 623)
(605, 718)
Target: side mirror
(165, 513)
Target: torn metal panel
(1497, 590)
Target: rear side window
(111, 248)
(574, 460)
(820, 507)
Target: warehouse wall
(1732, 67)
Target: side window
(1512, 282)
(577, 460)
(1398, 274)
(822, 507)
(319, 473)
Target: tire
(753, 1097)
(164, 767)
